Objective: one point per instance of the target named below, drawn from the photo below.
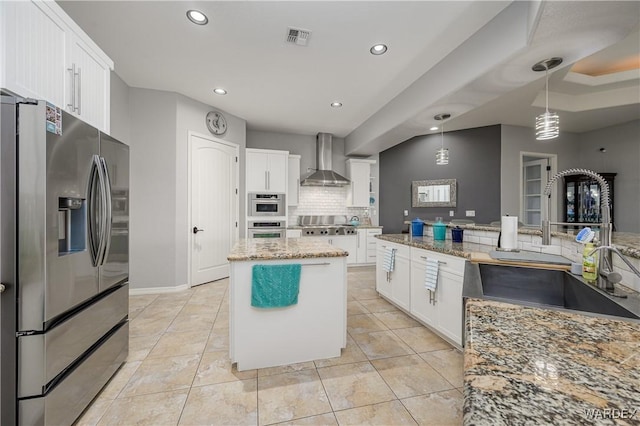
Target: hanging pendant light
(547, 123)
(442, 155)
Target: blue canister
(439, 230)
(456, 234)
(417, 227)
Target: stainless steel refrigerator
(64, 262)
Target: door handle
(2, 288)
(196, 230)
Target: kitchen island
(313, 328)
(525, 365)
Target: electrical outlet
(406, 213)
(451, 213)
(471, 213)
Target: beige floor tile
(218, 340)
(381, 344)
(140, 346)
(421, 339)
(190, 322)
(354, 385)
(113, 388)
(94, 412)
(142, 326)
(290, 396)
(396, 319)
(352, 353)
(167, 374)
(157, 409)
(378, 305)
(159, 309)
(222, 320)
(440, 408)
(449, 363)
(232, 403)
(174, 344)
(410, 376)
(356, 308)
(141, 301)
(328, 419)
(364, 323)
(286, 369)
(384, 414)
(174, 299)
(216, 367)
(203, 310)
(363, 293)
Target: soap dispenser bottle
(589, 263)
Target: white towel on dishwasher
(431, 275)
(388, 263)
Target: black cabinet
(582, 198)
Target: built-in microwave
(261, 204)
(266, 229)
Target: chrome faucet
(606, 277)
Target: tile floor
(393, 372)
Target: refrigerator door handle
(107, 217)
(94, 228)
(103, 212)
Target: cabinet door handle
(72, 72)
(2, 288)
(79, 91)
(266, 180)
(269, 180)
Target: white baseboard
(157, 290)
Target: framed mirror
(434, 193)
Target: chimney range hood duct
(324, 176)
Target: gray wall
(622, 143)
(156, 126)
(622, 156)
(516, 139)
(120, 126)
(474, 160)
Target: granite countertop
(627, 242)
(525, 365)
(463, 249)
(283, 248)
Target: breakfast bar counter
(311, 326)
(524, 365)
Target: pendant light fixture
(547, 123)
(442, 155)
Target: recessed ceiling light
(378, 49)
(434, 128)
(197, 17)
(336, 104)
(219, 91)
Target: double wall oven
(267, 213)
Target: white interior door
(214, 207)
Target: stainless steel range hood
(324, 176)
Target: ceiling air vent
(298, 36)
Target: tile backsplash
(325, 201)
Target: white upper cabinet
(47, 56)
(293, 187)
(267, 170)
(359, 173)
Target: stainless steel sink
(545, 288)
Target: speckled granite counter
(447, 247)
(357, 227)
(526, 365)
(283, 248)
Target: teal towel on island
(275, 286)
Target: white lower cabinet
(443, 311)
(349, 243)
(367, 244)
(397, 285)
